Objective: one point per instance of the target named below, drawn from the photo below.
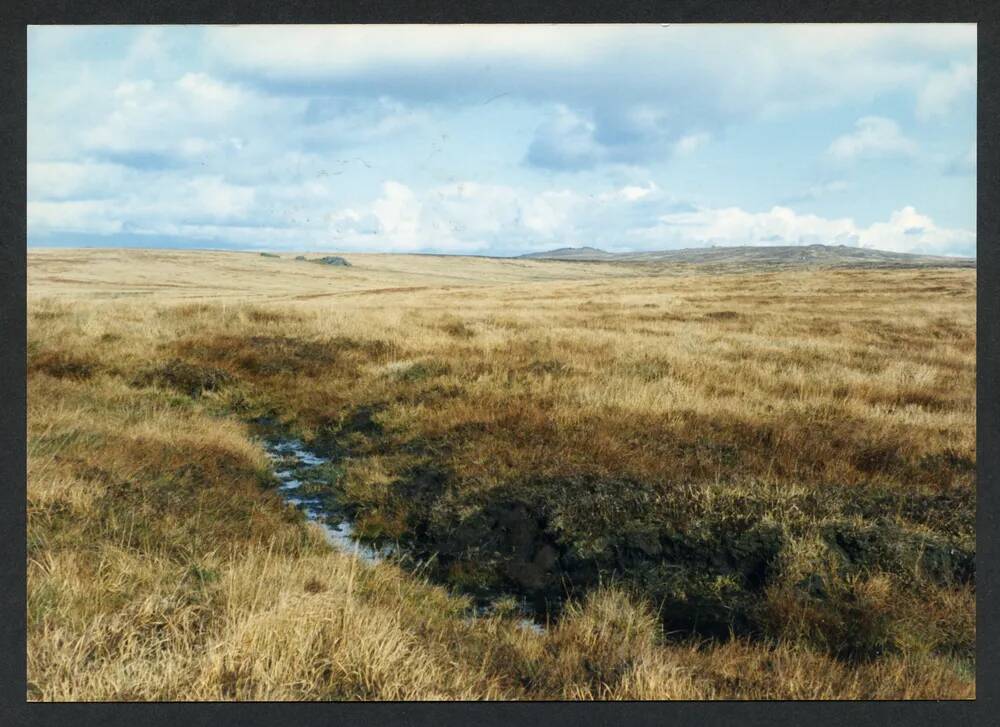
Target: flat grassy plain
(744, 484)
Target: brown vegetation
(748, 486)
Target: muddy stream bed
(304, 476)
(306, 480)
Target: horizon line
(278, 251)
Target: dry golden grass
(636, 411)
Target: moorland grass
(755, 485)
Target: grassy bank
(726, 486)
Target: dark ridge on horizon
(760, 255)
(754, 256)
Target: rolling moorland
(610, 479)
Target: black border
(494, 11)
(14, 710)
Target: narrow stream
(305, 479)
(297, 468)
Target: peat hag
(711, 566)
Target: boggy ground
(715, 486)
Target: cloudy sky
(503, 139)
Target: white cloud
(218, 200)
(154, 207)
(88, 216)
(565, 141)
(690, 143)
(339, 120)
(459, 217)
(943, 89)
(75, 180)
(635, 90)
(350, 135)
(206, 95)
(909, 231)
(757, 64)
(631, 192)
(735, 226)
(311, 51)
(155, 116)
(568, 140)
(548, 214)
(905, 231)
(398, 214)
(873, 137)
(469, 217)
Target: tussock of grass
(749, 486)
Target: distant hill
(573, 253)
(776, 256)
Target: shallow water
(293, 464)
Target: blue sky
(503, 139)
